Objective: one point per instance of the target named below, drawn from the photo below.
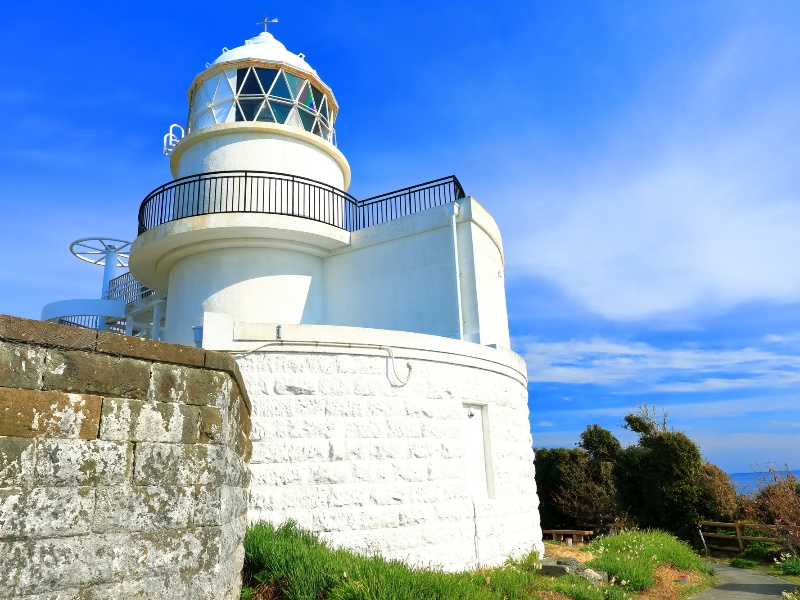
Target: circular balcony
(291, 195)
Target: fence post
(739, 535)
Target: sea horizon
(747, 482)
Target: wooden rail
(739, 538)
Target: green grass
(788, 564)
(632, 557)
(302, 567)
(744, 563)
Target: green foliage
(788, 564)
(301, 567)
(600, 443)
(573, 487)
(744, 563)
(760, 551)
(778, 503)
(632, 557)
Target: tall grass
(300, 566)
(632, 557)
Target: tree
(661, 481)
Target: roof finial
(266, 21)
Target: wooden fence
(739, 538)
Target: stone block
(296, 384)
(46, 334)
(42, 512)
(139, 420)
(31, 413)
(219, 361)
(16, 461)
(102, 591)
(154, 587)
(84, 372)
(134, 347)
(63, 462)
(190, 386)
(158, 463)
(21, 365)
(211, 429)
(142, 508)
(190, 549)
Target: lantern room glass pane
(224, 90)
(307, 100)
(223, 112)
(323, 109)
(266, 76)
(265, 114)
(205, 120)
(294, 119)
(307, 119)
(280, 110)
(250, 85)
(295, 84)
(280, 89)
(317, 96)
(207, 91)
(248, 109)
(317, 129)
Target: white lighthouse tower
(258, 197)
(389, 413)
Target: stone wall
(123, 466)
(343, 446)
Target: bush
(788, 564)
(778, 503)
(760, 551)
(661, 481)
(744, 563)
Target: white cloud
(647, 368)
(689, 204)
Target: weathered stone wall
(123, 466)
(344, 447)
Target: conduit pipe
(279, 341)
(453, 212)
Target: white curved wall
(259, 151)
(343, 448)
(250, 284)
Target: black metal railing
(82, 321)
(278, 193)
(406, 201)
(126, 289)
(248, 192)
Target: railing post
(739, 535)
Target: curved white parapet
(432, 465)
(255, 146)
(69, 308)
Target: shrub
(778, 503)
(788, 564)
(663, 483)
(744, 563)
(760, 551)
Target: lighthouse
(389, 413)
(259, 195)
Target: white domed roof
(264, 47)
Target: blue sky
(641, 159)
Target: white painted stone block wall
(340, 446)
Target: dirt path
(744, 584)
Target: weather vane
(266, 21)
